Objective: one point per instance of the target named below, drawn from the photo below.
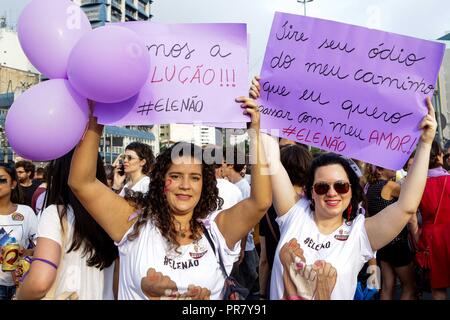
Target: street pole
(304, 2)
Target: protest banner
(347, 89)
(196, 72)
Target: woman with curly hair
(324, 242)
(164, 251)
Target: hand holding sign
(347, 89)
(428, 124)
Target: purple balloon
(46, 121)
(48, 30)
(109, 64)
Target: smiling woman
(324, 241)
(166, 238)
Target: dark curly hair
(154, 206)
(357, 191)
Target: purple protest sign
(347, 89)
(196, 72)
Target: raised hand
(428, 124)
(251, 108)
(255, 88)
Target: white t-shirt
(245, 190)
(21, 225)
(229, 193)
(197, 264)
(90, 283)
(244, 186)
(142, 186)
(40, 204)
(346, 249)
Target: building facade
(100, 12)
(441, 98)
(197, 134)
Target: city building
(100, 12)
(197, 134)
(441, 98)
(17, 74)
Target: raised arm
(284, 195)
(237, 221)
(107, 208)
(387, 224)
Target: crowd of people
(306, 226)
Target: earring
(349, 212)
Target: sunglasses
(340, 187)
(128, 157)
(3, 180)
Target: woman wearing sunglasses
(137, 163)
(18, 224)
(324, 242)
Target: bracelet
(45, 261)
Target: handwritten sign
(197, 70)
(347, 89)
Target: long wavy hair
(88, 235)
(357, 191)
(154, 206)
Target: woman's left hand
(252, 109)
(428, 125)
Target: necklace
(181, 232)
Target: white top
(197, 264)
(89, 282)
(21, 225)
(245, 190)
(244, 186)
(346, 249)
(142, 186)
(40, 204)
(229, 193)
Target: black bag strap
(271, 226)
(211, 243)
